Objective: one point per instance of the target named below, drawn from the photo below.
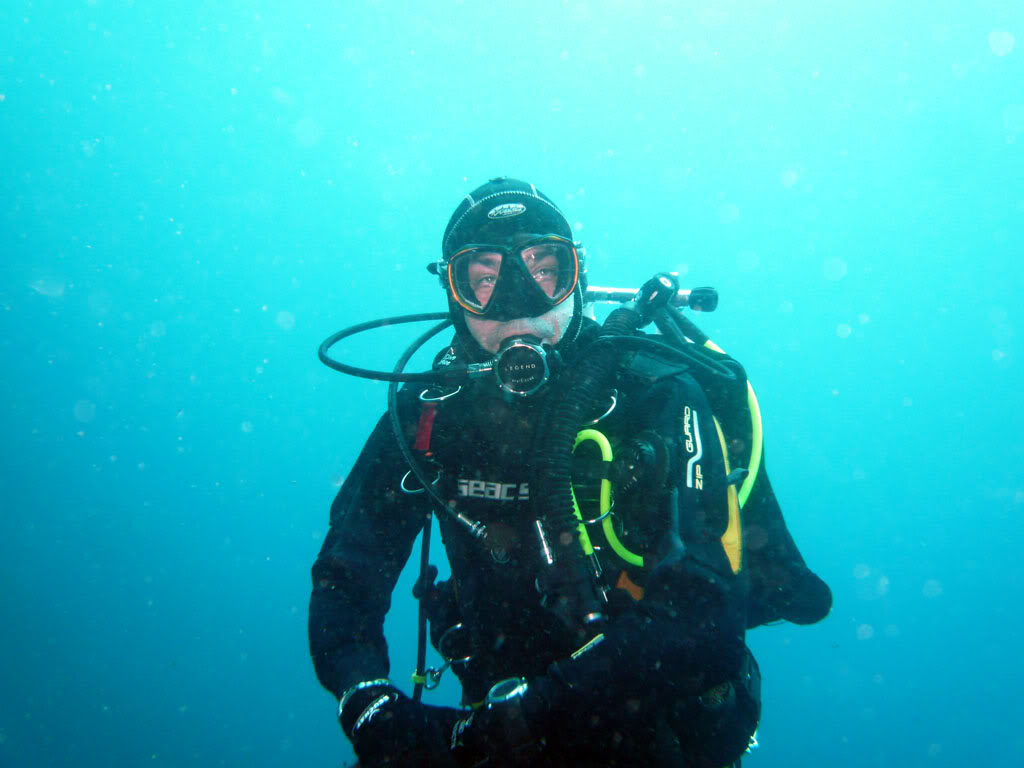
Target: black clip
(654, 295)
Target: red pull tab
(426, 425)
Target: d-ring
(602, 516)
(439, 398)
(411, 491)
(440, 646)
(615, 401)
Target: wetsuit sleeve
(373, 526)
(781, 584)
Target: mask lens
(544, 275)
(552, 265)
(474, 276)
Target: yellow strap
(756, 432)
(756, 448)
(732, 539)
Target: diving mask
(502, 283)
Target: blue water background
(194, 194)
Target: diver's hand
(508, 729)
(387, 728)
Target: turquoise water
(195, 194)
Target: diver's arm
(684, 637)
(781, 584)
(373, 527)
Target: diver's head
(510, 267)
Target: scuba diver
(604, 506)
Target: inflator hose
(563, 413)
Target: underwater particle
(247, 426)
(834, 268)
(843, 331)
(934, 750)
(285, 320)
(308, 132)
(729, 213)
(932, 588)
(1013, 120)
(861, 571)
(1001, 41)
(998, 316)
(52, 289)
(3, 97)
(748, 261)
(997, 355)
(100, 303)
(789, 177)
(865, 632)
(85, 411)
(786, 307)
(863, 318)
(158, 329)
(882, 587)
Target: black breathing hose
(428, 517)
(429, 377)
(551, 473)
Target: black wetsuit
(651, 692)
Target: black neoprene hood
(496, 212)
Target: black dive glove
(511, 728)
(387, 728)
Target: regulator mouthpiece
(521, 366)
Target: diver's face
(546, 263)
(549, 327)
(484, 269)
